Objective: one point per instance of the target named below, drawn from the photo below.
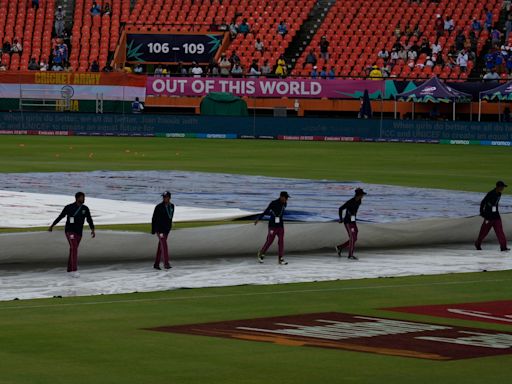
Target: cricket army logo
(361, 333)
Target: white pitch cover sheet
(402, 231)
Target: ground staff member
(275, 226)
(76, 214)
(161, 224)
(350, 208)
(490, 212)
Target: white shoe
(74, 274)
(282, 262)
(260, 256)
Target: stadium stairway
(306, 32)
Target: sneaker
(74, 274)
(261, 257)
(338, 250)
(478, 247)
(352, 258)
(505, 249)
(167, 266)
(282, 262)
(156, 266)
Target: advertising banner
(172, 48)
(261, 87)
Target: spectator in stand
(508, 27)
(237, 70)
(2, 67)
(375, 73)
(488, 19)
(402, 54)
(32, 65)
(436, 47)
(332, 74)
(138, 69)
(314, 72)
(233, 29)
(281, 70)
(489, 61)
(158, 71)
(394, 57)
(462, 60)
(412, 55)
(224, 65)
(107, 68)
(491, 75)
(254, 71)
(398, 45)
(282, 29)
(398, 31)
(438, 60)
(460, 39)
(452, 57)
(95, 67)
(259, 46)
(43, 65)
(106, 9)
(265, 68)
(425, 47)
(324, 48)
(95, 9)
(35, 4)
(196, 70)
(449, 24)
(179, 69)
(137, 106)
(223, 26)
(476, 26)
(439, 25)
(213, 71)
(495, 37)
(310, 58)
(56, 67)
(16, 47)
(383, 54)
(59, 21)
(234, 58)
(323, 73)
(499, 60)
(244, 28)
(6, 48)
(509, 64)
(429, 62)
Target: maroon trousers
(352, 238)
(272, 233)
(162, 251)
(498, 229)
(74, 242)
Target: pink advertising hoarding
(262, 87)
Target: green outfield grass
(100, 339)
(474, 168)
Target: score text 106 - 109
(189, 48)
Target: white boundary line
(250, 294)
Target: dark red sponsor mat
(360, 333)
(499, 312)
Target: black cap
(284, 194)
(501, 184)
(360, 192)
(166, 194)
